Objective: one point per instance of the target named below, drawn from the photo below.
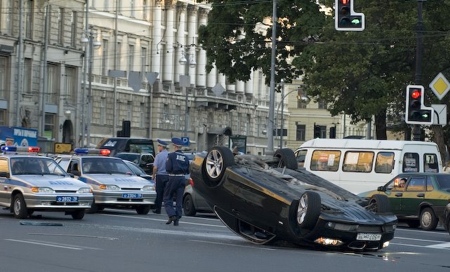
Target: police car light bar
(87, 151)
(29, 149)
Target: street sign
(185, 141)
(440, 111)
(440, 86)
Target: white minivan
(363, 165)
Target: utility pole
(416, 130)
(270, 124)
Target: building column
(181, 39)
(168, 69)
(157, 36)
(192, 40)
(201, 65)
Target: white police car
(113, 183)
(36, 183)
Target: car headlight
(109, 187)
(84, 190)
(148, 188)
(42, 190)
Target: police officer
(177, 166)
(159, 174)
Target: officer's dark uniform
(177, 166)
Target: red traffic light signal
(416, 112)
(346, 19)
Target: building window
(29, 16)
(143, 63)
(129, 111)
(105, 56)
(322, 104)
(118, 111)
(301, 104)
(118, 55)
(49, 127)
(106, 5)
(53, 83)
(4, 72)
(130, 57)
(119, 7)
(73, 29)
(71, 85)
(6, 16)
(142, 115)
(27, 76)
(61, 26)
(300, 132)
(103, 110)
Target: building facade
(79, 71)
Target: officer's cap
(177, 141)
(162, 143)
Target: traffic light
(345, 18)
(416, 112)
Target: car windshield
(443, 181)
(104, 165)
(35, 166)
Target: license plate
(368, 237)
(66, 199)
(131, 195)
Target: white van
(363, 165)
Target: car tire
(308, 210)
(78, 215)
(188, 206)
(287, 158)
(143, 209)
(20, 207)
(218, 159)
(380, 204)
(428, 220)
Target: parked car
(138, 171)
(193, 202)
(143, 160)
(267, 198)
(419, 199)
(33, 183)
(112, 182)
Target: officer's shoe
(175, 223)
(156, 211)
(171, 219)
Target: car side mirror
(380, 189)
(75, 173)
(4, 174)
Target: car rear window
(443, 181)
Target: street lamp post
(89, 54)
(187, 60)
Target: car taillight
(191, 182)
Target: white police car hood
(121, 180)
(52, 181)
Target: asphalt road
(124, 241)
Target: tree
(362, 74)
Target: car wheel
(379, 204)
(20, 207)
(143, 209)
(78, 215)
(188, 206)
(428, 220)
(308, 210)
(216, 162)
(287, 158)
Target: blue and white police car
(113, 183)
(36, 183)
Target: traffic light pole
(416, 131)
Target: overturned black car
(267, 199)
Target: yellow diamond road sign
(440, 86)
